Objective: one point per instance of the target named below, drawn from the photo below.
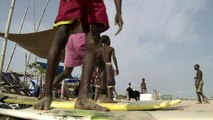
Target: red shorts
(88, 11)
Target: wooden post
(6, 37)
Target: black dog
(133, 94)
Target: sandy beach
(186, 110)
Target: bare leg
(110, 95)
(199, 98)
(93, 39)
(67, 71)
(204, 97)
(115, 91)
(57, 46)
(96, 93)
(102, 76)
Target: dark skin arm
(115, 61)
(118, 15)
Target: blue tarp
(72, 80)
(60, 69)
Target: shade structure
(37, 43)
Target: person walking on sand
(199, 84)
(92, 15)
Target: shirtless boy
(107, 54)
(199, 84)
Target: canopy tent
(37, 43)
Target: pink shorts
(87, 11)
(75, 49)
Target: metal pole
(14, 47)
(34, 19)
(42, 15)
(25, 60)
(6, 38)
(36, 70)
(26, 68)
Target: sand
(186, 110)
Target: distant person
(143, 86)
(93, 85)
(199, 84)
(128, 89)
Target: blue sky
(161, 41)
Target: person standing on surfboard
(92, 14)
(199, 84)
(105, 55)
(128, 89)
(143, 86)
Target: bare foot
(104, 99)
(86, 104)
(43, 104)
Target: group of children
(84, 20)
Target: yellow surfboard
(119, 106)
